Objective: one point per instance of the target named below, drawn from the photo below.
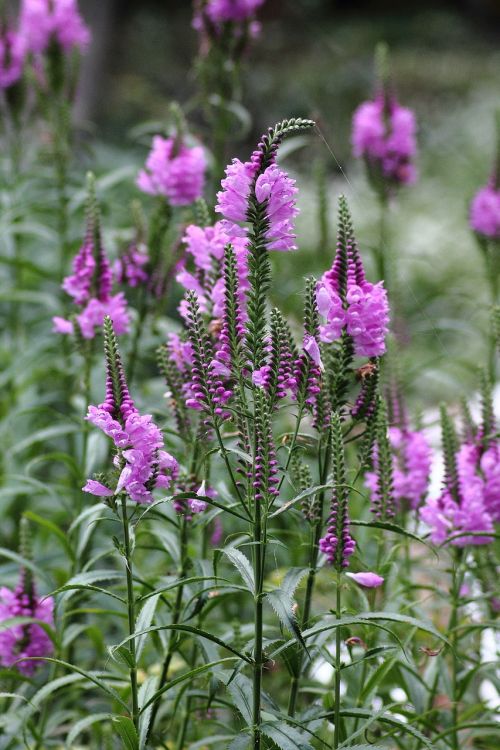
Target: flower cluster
(383, 133)
(12, 57)
(24, 641)
(211, 18)
(346, 300)
(44, 22)
(141, 461)
(130, 268)
(485, 212)
(221, 11)
(90, 285)
(174, 170)
(271, 191)
(411, 455)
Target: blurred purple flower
(45, 21)
(174, 170)
(485, 212)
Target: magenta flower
(383, 133)
(489, 467)
(24, 641)
(45, 21)
(463, 508)
(131, 267)
(347, 301)
(141, 461)
(90, 285)
(367, 579)
(221, 11)
(272, 190)
(411, 467)
(12, 57)
(485, 212)
(174, 170)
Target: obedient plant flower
(462, 506)
(130, 268)
(141, 462)
(221, 11)
(383, 133)
(260, 185)
(485, 211)
(90, 285)
(366, 579)
(337, 544)
(174, 170)
(347, 301)
(12, 57)
(20, 642)
(46, 22)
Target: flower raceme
(383, 133)
(347, 301)
(221, 11)
(43, 22)
(174, 170)
(485, 212)
(12, 57)
(90, 285)
(141, 461)
(20, 642)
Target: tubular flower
(485, 212)
(367, 579)
(12, 57)
(411, 455)
(174, 170)
(47, 21)
(462, 507)
(383, 133)
(347, 301)
(141, 461)
(24, 641)
(90, 285)
(221, 11)
(131, 267)
(273, 192)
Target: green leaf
(240, 742)
(301, 496)
(282, 603)
(286, 736)
(386, 719)
(292, 579)
(144, 621)
(86, 581)
(63, 538)
(82, 725)
(127, 731)
(396, 530)
(13, 621)
(146, 691)
(243, 565)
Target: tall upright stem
(130, 613)
(257, 669)
(455, 597)
(338, 615)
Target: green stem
(258, 637)
(455, 603)
(175, 620)
(338, 615)
(130, 613)
(143, 312)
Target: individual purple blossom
(174, 170)
(354, 304)
(273, 190)
(489, 467)
(142, 462)
(412, 456)
(21, 642)
(45, 21)
(485, 212)
(12, 57)
(383, 133)
(337, 544)
(367, 579)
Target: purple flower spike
(45, 21)
(485, 212)
(23, 641)
(174, 170)
(12, 58)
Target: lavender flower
(367, 579)
(141, 461)
(24, 641)
(221, 11)
(174, 170)
(273, 192)
(347, 301)
(90, 284)
(43, 22)
(131, 267)
(485, 212)
(411, 466)
(12, 57)
(383, 133)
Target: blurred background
(315, 57)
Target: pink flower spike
(98, 489)
(367, 579)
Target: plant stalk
(130, 613)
